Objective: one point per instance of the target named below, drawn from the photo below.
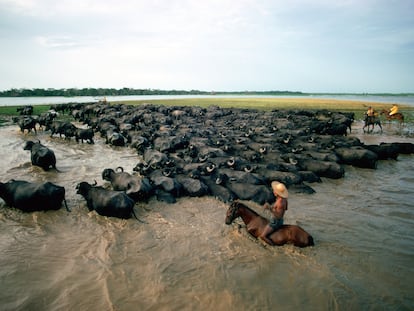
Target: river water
(185, 258)
(23, 101)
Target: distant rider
(370, 112)
(393, 110)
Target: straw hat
(280, 189)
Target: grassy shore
(11, 110)
(358, 107)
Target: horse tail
(310, 241)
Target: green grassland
(11, 110)
(358, 107)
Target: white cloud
(57, 42)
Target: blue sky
(211, 45)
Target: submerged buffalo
(106, 202)
(84, 135)
(41, 155)
(136, 187)
(26, 123)
(30, 197)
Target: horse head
(232, 212)
(384, 111)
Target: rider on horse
(370, 115)
(371, 118)
(370, 112)
(278, 210)
(393, 110)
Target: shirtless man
(370, 112)
(278, 211)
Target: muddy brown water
(185, 258)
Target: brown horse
(397, 116)
(255, 224)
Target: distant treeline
(127, 91)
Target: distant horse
(255, 224)
(397, 116)
(371, 121)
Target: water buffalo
(46, 118)
(192, 187)
(384, 151)
(217, 190)
(30, 197)
(138, 188)
(84, 134)
(115, 138)
(321, 168)
(61, 127)
(357, 156)
(26, 110)
(166, 188)
(155, 159)
(258, 193)
(405, 148)
(41, 155)
(106, 202)
(26, 123)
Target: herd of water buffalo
(228, 153)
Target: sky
(350, 46)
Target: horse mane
(245, 206)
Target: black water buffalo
(138, 188)
(217, 190)
(166, 188)
(30, 197)
(84, 134)
(357, 156)
(61, 107)
(256, 193)
(113, 137)
(192, 187)
(321, 168)
(155, 159)
(385, 151)
(405, 148)
(41, 155)
(26, 123)
(26, 110)
(106, 202)
(62, 128)
(46, 118)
